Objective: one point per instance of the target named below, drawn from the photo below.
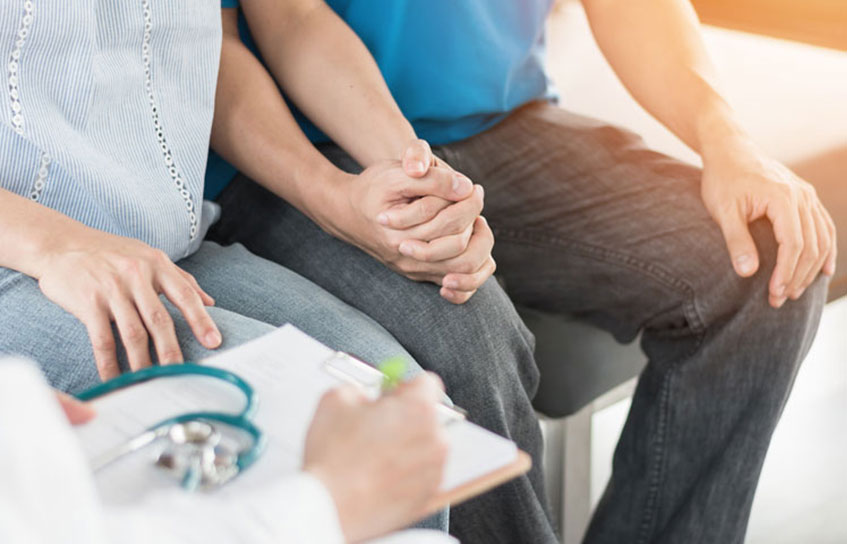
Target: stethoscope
(194, 451)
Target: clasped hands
(420, 218)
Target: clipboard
(351, 370)
(288, 370)
(471, 489)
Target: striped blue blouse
(106, 109)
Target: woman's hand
(101, 278)
(382, 461)
(419, 217)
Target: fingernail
(418, 167)
(406, 249)
(461, 185)
(382, 219)
(744, 264)
(452, 283)
(213, 338)
(779, 291)
(780, 301)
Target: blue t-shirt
(455, 67)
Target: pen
(394, 369)
(381, 379)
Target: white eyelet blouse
(106, 109)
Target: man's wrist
(392, 143)
(718, 131)
(327, 203)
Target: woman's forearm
(30, 231)
(329, 73)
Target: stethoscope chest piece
(194, 454)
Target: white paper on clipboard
(287, 369)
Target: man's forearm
(328, 72)
(254, 130)
(656, 49)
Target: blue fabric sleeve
(229, 3)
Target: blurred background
(783, 65)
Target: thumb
(417, 158)
(76, 411)
(739, 242)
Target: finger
(204, 296)
(437, 379)
(788, 232)
(103, 345)
(474, 257)
(416, 212)
(439, 249)
(341, 397)
(824, 249)
(417, 158)
(470, 282)
(477, 253)
(739, 242)
(451, 220)
(809, 255)
(829, 266)
(456, 297)
(132, 331)
(438, 181)
(159, 324)
(182, 294)
(424, 387)
(76, 411)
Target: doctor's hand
(101, 278)
(76, 411)
(740, 185)
(382, 461)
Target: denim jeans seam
(689, 307)
(658, 461)
(659, 454)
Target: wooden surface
(819, 22)
(479, 486)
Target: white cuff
(300, 508)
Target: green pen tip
(393, 370)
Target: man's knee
(775, 339)
(483, 344)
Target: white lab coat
(47, 494)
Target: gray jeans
(588, 222)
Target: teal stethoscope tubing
(241, 420)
